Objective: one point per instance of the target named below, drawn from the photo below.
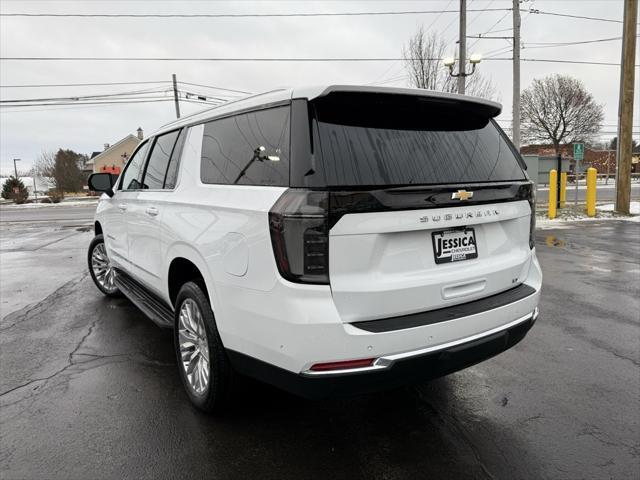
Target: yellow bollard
(591, 191)
(553, 193)
(563, 189)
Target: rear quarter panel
(222, 229)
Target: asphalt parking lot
(89, 387)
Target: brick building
(602, 160)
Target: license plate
(454, 245)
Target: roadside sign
(578, 151)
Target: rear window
(383, 139)
(247, 149)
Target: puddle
(553, 241)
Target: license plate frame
(461, 253)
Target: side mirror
(101, 182)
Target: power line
(212, 59)
(96, 98)
(391, 80)
(77, 98)
(392, 66)
(566, 44)
(82, 84)
(283, 59)
(200, 96)
(162, 99)
(70, 105)
(539, 12)
(553, 60)
(479, 35)
(239, 15)
(480, 13)
(491, 28)
(576, 42)
(8, 109)
(312, 14)
(215, 88)
(122, 83)
(439, 15)
(498, 51)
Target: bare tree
(559, 109)
(423, 56)
(63, 168)
(45, 165)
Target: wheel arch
(97, 228)
(186, 264)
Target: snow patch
(604, 213)
(634, 208)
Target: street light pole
(15, 168)
(515, 133)
(462, 55)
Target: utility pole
(15, 168)
(462, 56)
(625, 109)
(515, 124)
(175, 95)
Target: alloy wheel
(104, 273)
(194, 347)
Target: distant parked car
(328, 241)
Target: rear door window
(247, 149)
(158, 162)
(387, 140)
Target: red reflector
(344, 365)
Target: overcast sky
(26, 132)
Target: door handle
(153, 211)
(122, 207)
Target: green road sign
(578, 151)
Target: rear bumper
(391, 371)
(294, 327)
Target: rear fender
(183, 250)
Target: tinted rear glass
(247, 149)
(159, 161)
(381, 140)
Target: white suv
(327, 240)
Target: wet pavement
(90, 389)
(78, 213)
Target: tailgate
(383, 264)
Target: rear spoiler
(489, 108)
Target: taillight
(532, 224)
(300, 236)
(528, 192)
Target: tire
(198, 353)
(102, 273)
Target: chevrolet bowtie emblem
(461, 195)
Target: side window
(159, 161)
(247, 149)
(172, 170)
(133, 169)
